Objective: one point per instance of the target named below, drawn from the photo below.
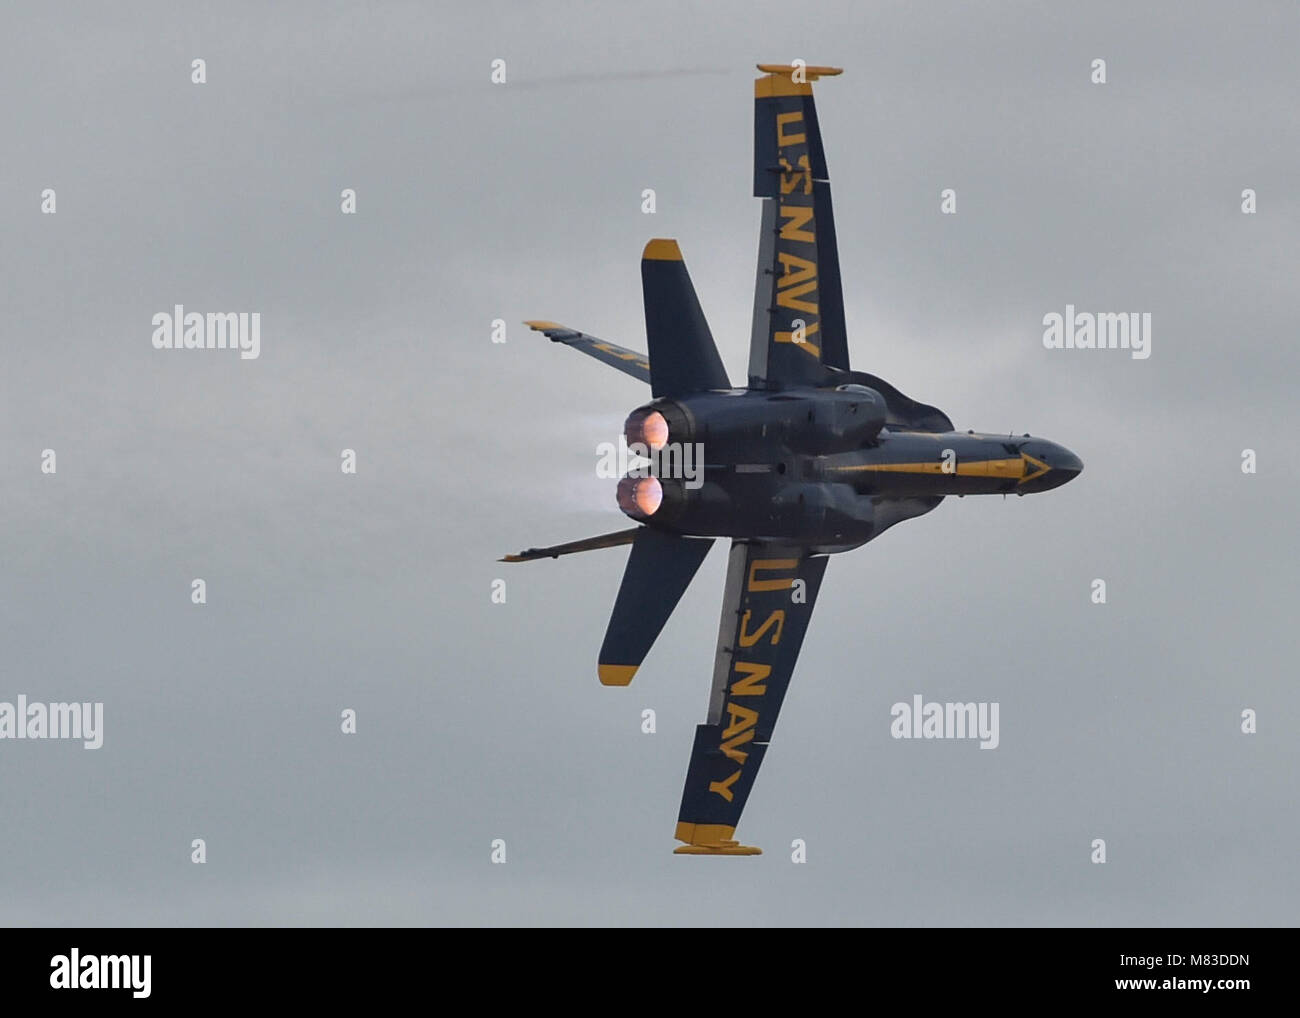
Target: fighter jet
(809, 459)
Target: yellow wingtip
(542, 326)
(811, 73)
(779, 80)
(703, 834)
(662, 250)
(730, 848)
(710, 839)
(616, 675)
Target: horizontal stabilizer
(586, 544)
(658, 572)
(627, 361)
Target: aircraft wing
(627, 361)
(769, 598)
(572, 547)
(798, 301)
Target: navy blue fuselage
(830, 467)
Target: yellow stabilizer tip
(660, 250)
(543, 326)
(731, 848)
(616, 675)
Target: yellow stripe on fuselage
(1021, 468)
(979, 468)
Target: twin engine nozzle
(640, 497)
(647, 427)
(672, 434)
(648, 431)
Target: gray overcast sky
(479, 721)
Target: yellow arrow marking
(1021, 469)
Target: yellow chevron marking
(1037, 470)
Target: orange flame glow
(654, 430)
(649, 495)
(640, 497)
(648, 428)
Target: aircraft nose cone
(1065, 467)
(1062, 466)
(1068, 464)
